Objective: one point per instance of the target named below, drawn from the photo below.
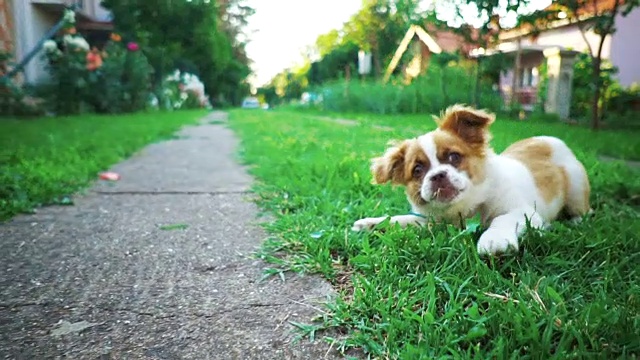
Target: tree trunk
(476, 97)
(376, 64)
(595, 106)
(597, 70)
(516, 76)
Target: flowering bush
(84, 78)
(184, 90)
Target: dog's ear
(390, 166)
(470, 124)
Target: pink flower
(133, 46)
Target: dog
(452, 174)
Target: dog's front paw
(367, 223)
(497, 241)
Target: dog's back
(558, 174)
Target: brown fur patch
(472, 163)
(551, 180)
(468, 123)
(390, 166)
(415, 155)
(397, 164)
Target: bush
(114, 80)
(439, 88)
(619, 105)
(583, 86)
(622, 106)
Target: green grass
(44, 161)
(572, 292)
(615, 143)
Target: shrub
(583, 86)
(622, 106)
(114, 80)
(619, 104)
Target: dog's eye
(454, 158)
(418, 171)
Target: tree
(377, 27)
(234, 15)
(328, 42)
(201, 36)
(594, 15)
(334, 64)
(488, 25)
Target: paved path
(103, 280)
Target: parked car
(250, 103)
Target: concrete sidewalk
(118, 276)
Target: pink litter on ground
(111, 176)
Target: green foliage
(492, 66)
(286, 86)
(269, 95)
(121, 83)
(543, 85)
(619, 104)
(203, 34)
(334, 64)
(622, 106)
(582, 95)
(69, 76)
(572, 292)
(440, 87)
(45, 161)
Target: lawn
(572, 292)
(44, 161)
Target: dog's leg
(402, 220)
(504, 231)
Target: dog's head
(440, 169)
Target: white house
(561, 40)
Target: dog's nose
(439, 176)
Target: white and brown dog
(452, 173)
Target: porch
(520, 83)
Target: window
(528, 77)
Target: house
(423, 43)
(557, 44)
(24, 22)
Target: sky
(280, 30)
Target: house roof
(588, 10)
(449, 41)
(435, 39)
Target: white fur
(429, 147)
(507, 199)
(402, 220)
